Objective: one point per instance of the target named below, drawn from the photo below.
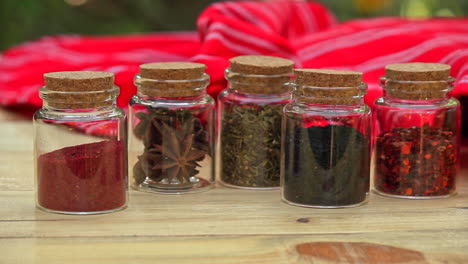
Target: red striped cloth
(305, 32)
(22, 67)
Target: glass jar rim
(79, 97)
(228, 74)
(45, 93)
(362, 87)
(267, 84)
(384, 81)
(171, 88)
(43, 90)
(352, 95)
(417, 90)
(138, 79)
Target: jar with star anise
(417, 130)
(250, 114)
(172, 129)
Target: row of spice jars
(324, 156)
(314, 132)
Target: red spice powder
(83, 178)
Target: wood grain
(225, 211)
(218, 249)
(222, 225)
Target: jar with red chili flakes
(77, 172)
(417, 129)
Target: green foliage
(30, 19)
(23, 20)
(349, 9)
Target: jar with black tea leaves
(250, 113)
(326, 140)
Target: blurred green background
(23, 20)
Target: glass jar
(325, 160)
(172, 123)
(417, 130)
(250, 113)
(80, 173)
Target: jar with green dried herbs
(417, 129)
(172, 123)
(325, 160)
(250, 113)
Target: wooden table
(222, 225)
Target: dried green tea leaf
(250, 145)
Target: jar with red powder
(417, 129)
(80, 145)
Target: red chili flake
(406, 149)
(416, 161)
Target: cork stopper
(417, 81)
(417, 71)
(321, 86)
(172, 79)
(79, 89)
(79, 81)
(260, 74)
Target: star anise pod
(142, 126)
(145, 119)
(144, 167)
(179, 157)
